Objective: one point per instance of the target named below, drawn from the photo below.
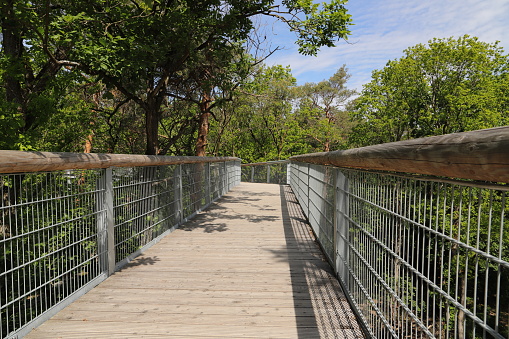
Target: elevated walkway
(247, 267)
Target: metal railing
(62, 232)
(419, 256)
(270, 172)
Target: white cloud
(384, 28)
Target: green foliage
(272, 119)
(147, 51)
(322, 115)
(255, 126)
(322, 25)
(450, 85)
(49, 240)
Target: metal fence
(419, 257)
(270, 172)
(63, 232)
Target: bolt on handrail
(424, 252)
(69, 220)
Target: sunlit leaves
(450, 85)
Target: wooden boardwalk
(247, 267)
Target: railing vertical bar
(441, 229)
(110, 220)
(457, 280)
(477, 257)
(178, 193)
(488, 250)
(207, 183)
(500, 247)
(467, 259)
(428, 204)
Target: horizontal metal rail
(64, 231)
(419, 256)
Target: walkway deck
(247, 267)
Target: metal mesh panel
(49, 230)
(216, 183)
(193, 194)
(54, 228)
(421, 258)
(321, 206)
(145, 206)
(270, 172)
(233, 168)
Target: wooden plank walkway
(247, 267)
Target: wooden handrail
(477, 155)
(19, 162)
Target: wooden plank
(183, 307)
(478, 155)
(118, 329)
(269, 282)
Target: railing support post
(207, 183)
(342, 231)
(268, 174)
(109, 224)
(288, 173)
(227, 167)
(252, 173)
(178, 194)
(308, 189)
(335, 215)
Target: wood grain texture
(247, 267)
(477, 155)
(19, 162)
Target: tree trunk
(203, 128)
(12, 45)
(20, 83)
(88, 143)
(152, 114)
(326, 146)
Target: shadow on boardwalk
(247, 267)
(332, 313)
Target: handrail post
(288, 173)
(342, 229)
(110, 221)
(227, 176)
(268, 174)
(178, 193)
(252, 173)
(335, 173)
(221, 178)
(307, 185)
(102, 228)
(207, 183)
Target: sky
(383, 29)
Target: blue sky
(384, 28)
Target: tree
(145, 49)
(450, 85)
(255, 126)
(322, 111)
(31, 88)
